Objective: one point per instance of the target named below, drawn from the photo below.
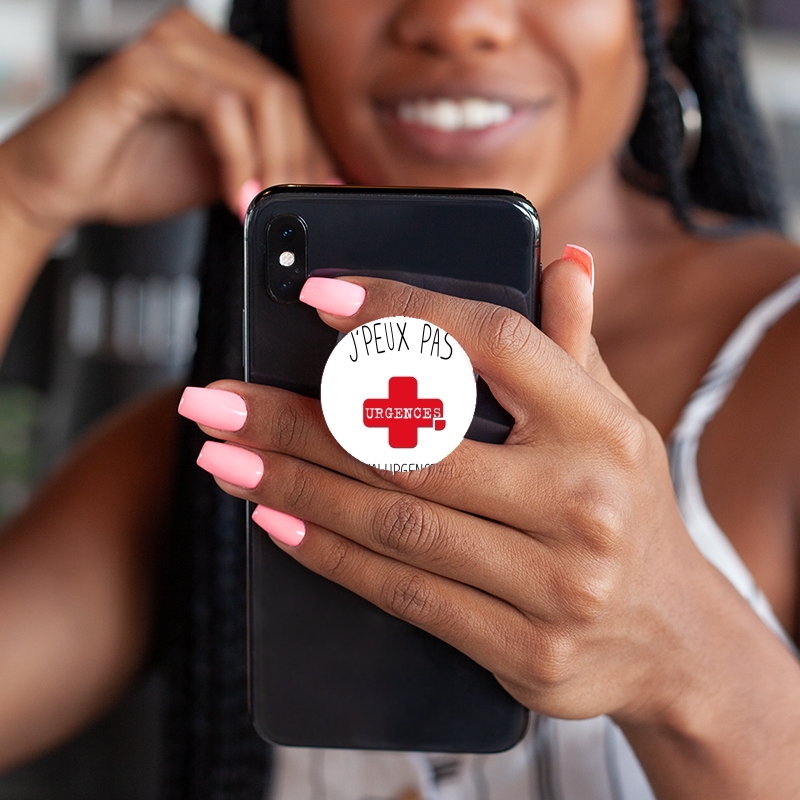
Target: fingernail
(334, 296)
(580, 255)
(232, 464)
(216, 408)
(334, 180)
(250, 188)
(283, 527)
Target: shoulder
(763, 271)
(749, 458)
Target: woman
(575, 576)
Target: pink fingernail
(232, 464)
(334, 180)
(334, 296)
(580, 255)
(216, 408)
(249, 190)
(283, 527)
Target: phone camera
(286, 257)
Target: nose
(449, 27)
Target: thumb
(567, 310)
(568, 303)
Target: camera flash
(286, 258)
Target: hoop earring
(691, 120)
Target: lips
(458, 121)
(464, 127)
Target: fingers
(167, 87)
(567, 303)
(567, 311)
(286, 147)
(439, 540)
(449, 610)
(515, 485)
(252, 116)
(529, 374)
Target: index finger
(521, 365)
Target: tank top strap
(683, 444)
(726, 368)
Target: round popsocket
(398, 393)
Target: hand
(179, 118)
(551, 559)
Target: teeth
(448, 115)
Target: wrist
(25, 244)
(724, 718)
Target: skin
(571, 575)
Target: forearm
(733, 730)
(77, 576)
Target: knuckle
(300, 489)
(412, 598)
(551, 665)
(506, 333)
(409, 300)
(167, 27)
(406, 525)
(334, 559)
(627, 438)
(594, 514)
(129, 63)
(289, 427)
(588, 592)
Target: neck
(611, 219)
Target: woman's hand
(557, 560)
(180, 117)
(551, 559)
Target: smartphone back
(327, 668)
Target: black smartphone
(327, 668)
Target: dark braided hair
(733, 172)
(212, 750)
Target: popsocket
(398, 393)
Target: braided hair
(211, 748)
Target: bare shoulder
(749, 459)
(760, 267)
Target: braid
(656, 143)
(733, 173)
(265, 25)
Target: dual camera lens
(287, 241)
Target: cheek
(610, 72)
(333, 41)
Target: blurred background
(114, 314)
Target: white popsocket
(398, 393)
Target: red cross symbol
(403, 413)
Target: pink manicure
(216, 408)
(283, 527)
(581, 256)
(249, 190)
(341, 298)
(232, 464)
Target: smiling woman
(640, 612)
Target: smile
(449, 116)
